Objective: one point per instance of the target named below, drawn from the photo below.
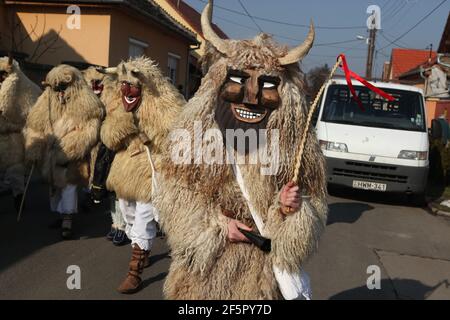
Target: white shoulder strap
(154, 173)
(255, 215)
(294, 285)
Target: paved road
(410, 246)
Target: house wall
(3, 27)
(178, 17)
(161, 42)
(89, 44)
(436, 108)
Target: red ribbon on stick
(349, 74)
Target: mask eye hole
(237, 79)
(61, 87)
(269, 85)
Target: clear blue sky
(397, 17)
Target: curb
(437, 211)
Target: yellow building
(97, 32)
(190, 19)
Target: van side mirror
(436, 129)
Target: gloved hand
(98, 194)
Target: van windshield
(406, 112)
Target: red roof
(193, 17)
(404, 60)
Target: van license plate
(365, 185)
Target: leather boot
(146, 259)
(133, 280)
(66, 225)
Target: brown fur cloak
(17, 95)
(130, 176)
(205, 265)
(60, 136)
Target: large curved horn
(112, 70)
(298, 53)
(208, 31)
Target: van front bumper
(343, 172)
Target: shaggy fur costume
(60, 136)
(205, 265)
(109, 83)
(130, 176)
(17, 95)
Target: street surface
(410, 247)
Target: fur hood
(288, 119)
(64, 124)
(194, 196)
(108, 82)
(17, 93)
(149, 124)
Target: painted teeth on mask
(248, 115)
(130, 100)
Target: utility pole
(371, 53)
(373, 24)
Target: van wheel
(417, 199)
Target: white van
(383, 148)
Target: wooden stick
(301, 147)
(25, 193)
(299, 157)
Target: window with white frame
(172, 65)
(136, 48)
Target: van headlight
(333, 146)
(413, 155)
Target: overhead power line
(285, 23)
(329, 44)
(384, 5)
(415, 25)
(394, 12)
(405, 14)
(389, 41)
(250, 16)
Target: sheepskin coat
(205, 265)
(109, 83)
(59, 136)
(127, 133)
(17, 95)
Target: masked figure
(251, 106)
(61, 131)
(17, 96)
(105, 86)
(143, 111)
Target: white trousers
(118, 221)
(140, 219)
(65, 200)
